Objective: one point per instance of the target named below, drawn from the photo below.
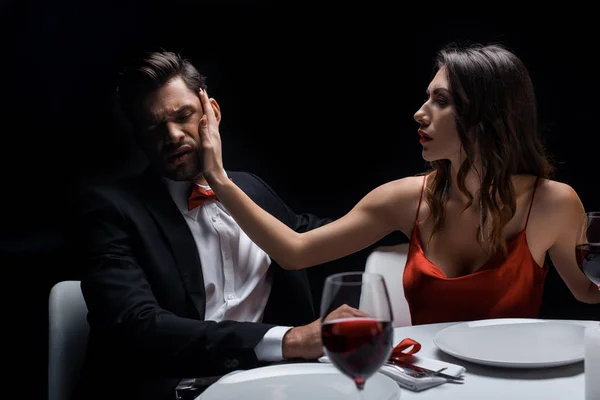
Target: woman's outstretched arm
(367, 222)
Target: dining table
(481, 381)
(565, 382)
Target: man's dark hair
(148, 73)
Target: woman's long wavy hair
(496, 116)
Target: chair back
(389, 261)
(67, 338)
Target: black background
(317, 98)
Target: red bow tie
(198, 196)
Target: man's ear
(216, 109)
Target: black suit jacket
(144, 289)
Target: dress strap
(532, 197)
(420, 198)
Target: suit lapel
(176, 232)
(286, 284)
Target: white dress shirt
(234, 268)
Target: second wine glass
(357, 346)
(587, 246)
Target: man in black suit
(174, 287)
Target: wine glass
(357, 346)
(587, 247)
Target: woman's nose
(421, 116)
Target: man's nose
(174, 133)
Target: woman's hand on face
(210, 141)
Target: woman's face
(437, 126)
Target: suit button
(234, 363)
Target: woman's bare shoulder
(553, 192)
(558, 199)
(397, 201)
(403, 189)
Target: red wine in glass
(588, 258)
(587, 249)
(358, 346)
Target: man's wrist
(291, 344)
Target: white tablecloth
(481, 382)
(492, 383)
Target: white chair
(389, 261)
(68, 334)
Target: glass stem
(360, 385)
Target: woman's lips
(424, 137)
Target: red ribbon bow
(398, 351)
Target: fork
(420, 372)
(407, 371)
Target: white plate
(514, 343)
(300, 381)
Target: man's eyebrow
(186, 107)
(155, 120)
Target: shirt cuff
(270, 347)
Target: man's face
(168, 130)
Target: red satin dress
(508, 286)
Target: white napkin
(434, 365)
(418, 384)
